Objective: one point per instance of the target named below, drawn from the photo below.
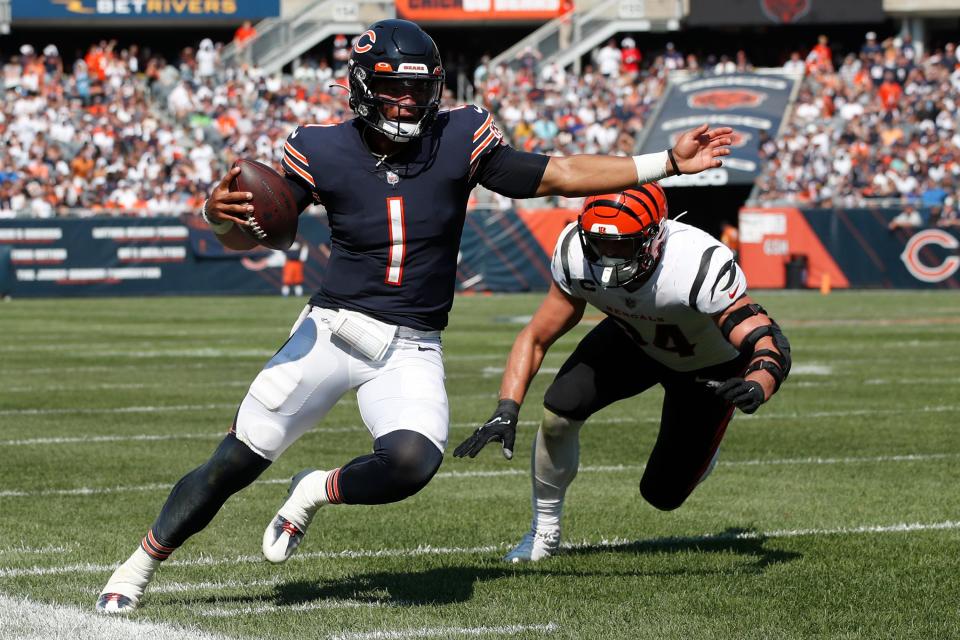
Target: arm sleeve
(296, 169)
(719, 281)
(512, 173)
(559, 264)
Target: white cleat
(535, 546)
(122, 593)
(285, 532)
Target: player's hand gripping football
(700, 149)
(502, 427)
(224, 204)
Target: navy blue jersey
(396, 223)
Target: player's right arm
(558, 313)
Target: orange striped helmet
(618, 232)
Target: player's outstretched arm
(221, 211)
(557, 314)
(747, 327)
(583, 175)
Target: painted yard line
(260, 609)
(117, 385)
(455, 425)
(91, 411)
(448, 632)
(233, 405)
(27, 620)
(24, 550)
(97, 491)
(427, 550)
(191, 587)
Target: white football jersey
(670, 314)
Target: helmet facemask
(401, 106)
(619, 258)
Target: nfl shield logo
(631, 303)
(392, 178)
(785, 11)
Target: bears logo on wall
(726, 99)
(785, 11)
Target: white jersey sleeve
(563, 261)
(719, 281)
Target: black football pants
(608, 366)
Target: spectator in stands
(630, 57)
(608, 59)
(208, 59)
(672, 59)
(244, 33)
(907, 219)
(820, 58)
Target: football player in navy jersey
(394, 181)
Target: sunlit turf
(833, 513)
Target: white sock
(554, 460)
(132, 577)
(309, 495)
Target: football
(275, 215)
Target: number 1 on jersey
(398, 245)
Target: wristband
(673, 163)
(219, 228)
(651, 167)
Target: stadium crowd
(883, 125)
(125, 131)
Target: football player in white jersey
(678, 315)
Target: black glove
(747, 395)
(502, 426)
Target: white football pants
(312, 371)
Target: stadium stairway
(281, 40)
(590, 25)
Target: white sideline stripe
(27, 620)
(473, 425)
(157, 486)
(427, 550)
(446, 632)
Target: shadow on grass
(455, 584)
(744, 542)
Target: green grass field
(834, 511)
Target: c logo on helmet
(363, 48)
(919, 270)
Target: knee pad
(411, 458)
(554, 425)
(565, 396)
(661, 498)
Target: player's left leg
(692, 425)
(404, 405)
(606, 366)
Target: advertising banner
(852, 248)
(481, 10)
(751, 103)
(98, 11)
(768, 12)
(155, 256)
